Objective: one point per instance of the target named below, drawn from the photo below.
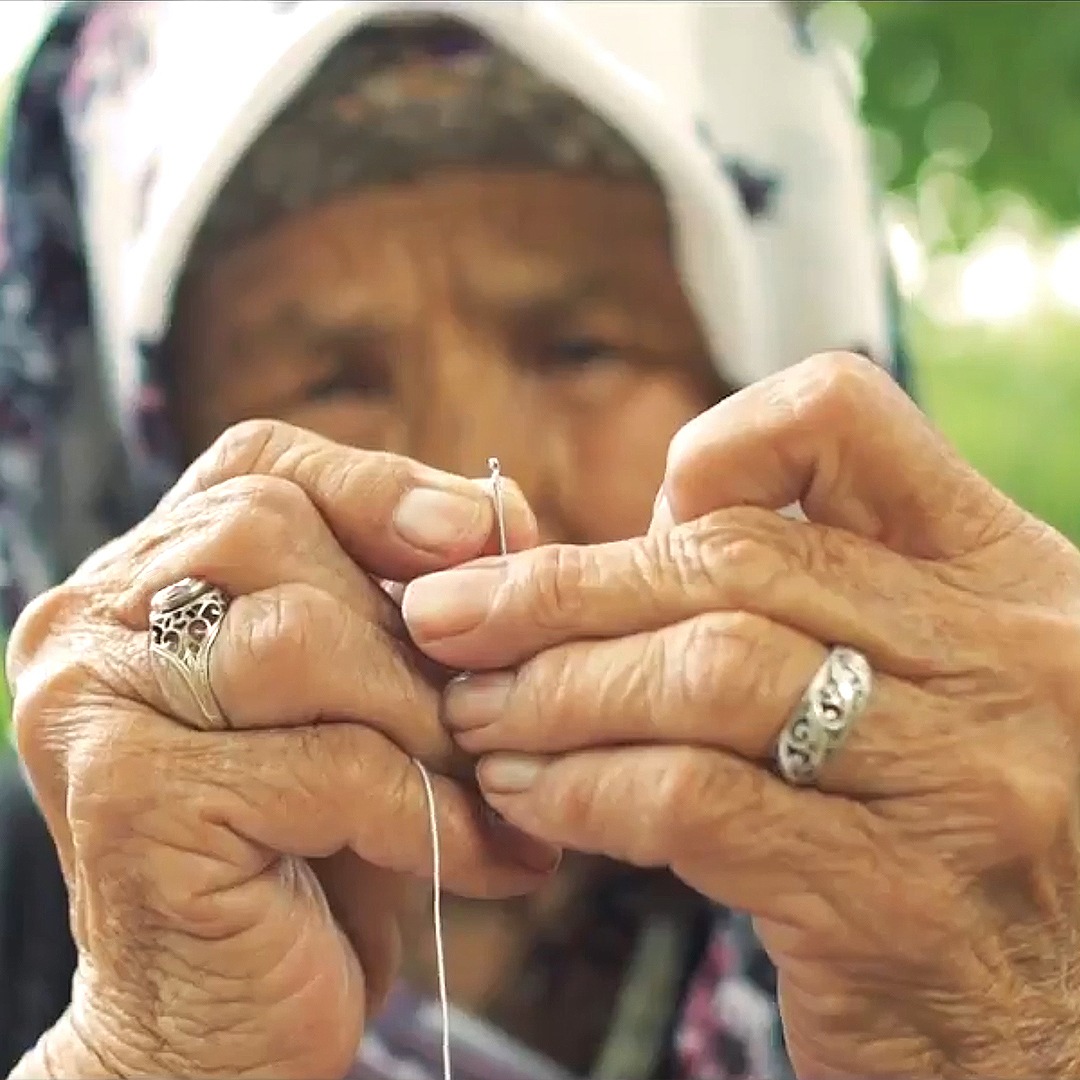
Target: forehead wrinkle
(524, 285)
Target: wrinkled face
(532, 316)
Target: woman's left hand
(921, 901)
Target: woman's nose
(472, 403)
(475, 402)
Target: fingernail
(472, 701)
(439, 521)
(451, 602)
(527, 850)
(508, 774)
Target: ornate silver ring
(834, 700)
(185, 619)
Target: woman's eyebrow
(552, 301)
(299, 322)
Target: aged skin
(532, 315)
(920, 903)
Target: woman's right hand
(234, 893)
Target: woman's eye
(347, 379)
(580, 351)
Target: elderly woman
(293, 250)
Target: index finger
(826, 583)
(394, 516)
(837, 435)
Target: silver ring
(185, 619)
(834, 700)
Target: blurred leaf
(1014, 62)
(1008, 399)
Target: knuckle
(383, 477)
(683, 791)
(839, 383)
(1045, 645)
(829, 554)
(1030, 698)
(149, 837)
(727, 554)
(274, 449)
(1028, 799)
(721, 657)
(578, 807)
(267, 501)
(45, 694)
(334, 473)
(555, 578)
(248, 514)
(40, 622)
(48, 669)
(277, 625)
(250, 446)
(390, 470)
(1047, 805)
(67, 662)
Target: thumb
(837, 435)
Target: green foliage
(1013, 63)
(1010, 401)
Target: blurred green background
(973, 111)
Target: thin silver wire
(436, 916)
(433, 825)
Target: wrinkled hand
(921, 902)
(235, 893)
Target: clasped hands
(919, 901)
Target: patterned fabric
(730, 1025)
(129, 123)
